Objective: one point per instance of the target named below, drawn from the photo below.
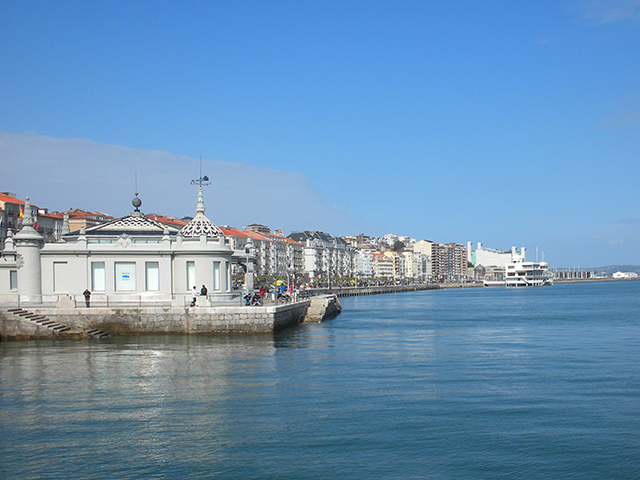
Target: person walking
(87, 297)
(194, 296)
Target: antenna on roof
(202, 181)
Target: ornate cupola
(200, 225)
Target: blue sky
(509, 123)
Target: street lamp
(248, 275)
(288, 266)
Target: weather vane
(202, 181)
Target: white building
(325, 255)
(415, 265)
(130, 257)
(364, 263)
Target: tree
(398, 245)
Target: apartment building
(325, 255)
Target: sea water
(457, 383)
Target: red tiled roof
(235, 232)
(10, 199)
(278, 238)
(168, 220)
(86, 214)
(51, 215)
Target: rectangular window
(13, 279)
(191, 275)
(60, 277)
(228, 268)
(152, 276)
(216, 275)
(97, 277)
(125, 277)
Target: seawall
(32, 322)
(382, 289)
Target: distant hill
(618, 268)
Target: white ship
(521, 273)
(528, 274)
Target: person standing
(87, 297)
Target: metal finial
(136, 202)
(203, 181)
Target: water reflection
(462, 383)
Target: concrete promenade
(32, 321)
(37, 321)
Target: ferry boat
(528, 274)
(521, 273)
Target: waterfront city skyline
(509, 125)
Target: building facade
(134, 256)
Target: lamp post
(248, 275)
(288, 266)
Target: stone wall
(322, 307)
(151, 320)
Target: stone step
(97, 333)
(15, 310)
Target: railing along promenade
(158, 299)
(382, 289)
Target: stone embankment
(30, 322)
(322, 307)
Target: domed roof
(200, 225)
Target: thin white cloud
(60, 173)
(628, 221)
(624, 114)
(611, 11)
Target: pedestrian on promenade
(203, 291)
(194, 296)
(87, 297)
